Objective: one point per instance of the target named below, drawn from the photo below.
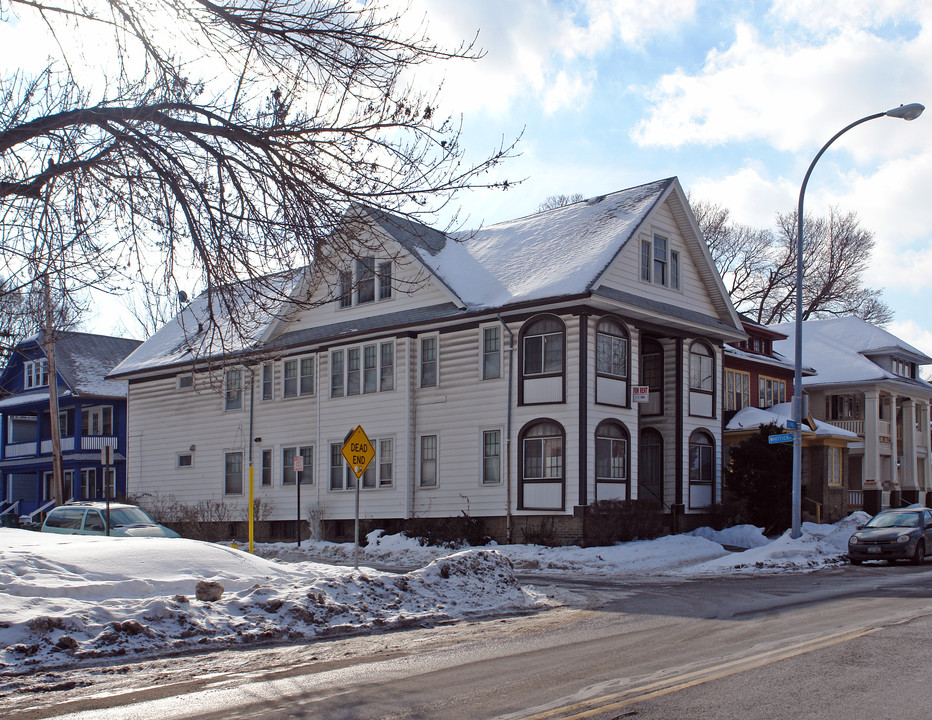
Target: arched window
(611, 452)
(701, 380)
(701, 469)
(611, 349)
(542, 466)
(543, 357)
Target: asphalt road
(843, 643)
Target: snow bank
(69, 598)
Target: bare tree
(555, 201)
(226, 145)
(758, 266)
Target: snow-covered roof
(751, 418)
(560, 252)
(840, 349)
(777, 360)
(83, 361)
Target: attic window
(372, 281)
(36, 373)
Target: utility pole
(48, 341)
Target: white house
(492, 370)
(868, 382)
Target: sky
(734, 97)
(71, 599)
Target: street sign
(640, 393)
(358, 451)
(790, 424)
(781, 438)
(106, 455)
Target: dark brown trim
(521, 376)
(583, 409)
(522, 481)
(627, 379)
(680, 462)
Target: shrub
(609, 521)
(447, 532)
(759, 479)
(542, 533)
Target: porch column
(908, 469)
(870, 467)
(894, 454)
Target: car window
(894, 519)
(94, 521)
(927, 516)
(65, 517)
(129, 516)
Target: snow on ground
(67, 598)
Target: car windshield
(884, 520)
(129, 516)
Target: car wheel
(920, 553)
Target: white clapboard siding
(625, 271)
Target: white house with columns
(868, 381)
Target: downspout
(251, 510)
(410, 419)
(511, 356)
(584, 412)
(323, 455)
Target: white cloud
(793, 96)
(914, 334)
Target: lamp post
(904, 112)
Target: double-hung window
(737, 390)
(266, 467)
(491, 457)
(365, 280)
(365, 369)
(371, 281)
(428, 460)
(306, 475)
(379, 474)
(771, 391)
(701, 380)
(611, 350)
(491, 352)
(660, 260)
(385, 280)
(233, 389)
(346, 289)
(298, 377)
(660, 264)
(429, 361)
(268, 381)
(36, 373)
(233, 473)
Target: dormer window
(373, 281)
(36, 373)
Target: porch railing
(97, 442)
(855, 499)
(41, 509)
(855, 426)
(19, 449)
(67, 444)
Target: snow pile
(739, 536)
(68, 598)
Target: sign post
(106, 459)
(358, 453)
(297, 464)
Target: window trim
(483, 353)
(298, 360)
(762, 381)
(522, 437)
(348, 478)
(675, 270)
(35, 373)
(267, 382)
(184, 382)
(98, 410)
(435, 337)
(262, 466)
(483, 457)
(693, 443)
(227, 407)
(420, 461)
(226, 470)
(729, 390)
(179, 455)
(713, 359)
(523, 376)
(626, 439)
(380, 380)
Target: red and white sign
(298, 463)
(640, 393)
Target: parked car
(893, 535)
(90, 518)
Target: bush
(609, 521)
(759, 480)
(543, 533)
(451, 532)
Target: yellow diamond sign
(358, 451)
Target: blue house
(92, 415)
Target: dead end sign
(358, 451)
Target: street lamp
(904, 112)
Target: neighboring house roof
(840, 350)
(553, 255)
(82, 361)
(776, 360)
(751, 418)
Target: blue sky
(734, 98)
